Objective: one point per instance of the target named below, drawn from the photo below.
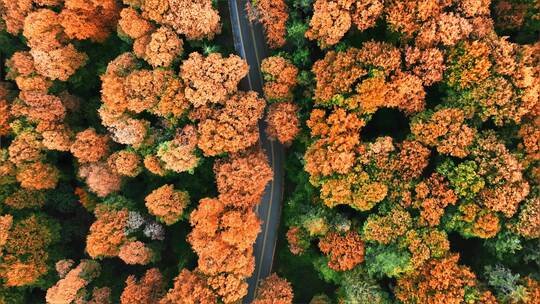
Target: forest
(132, 168)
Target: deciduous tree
(211, 79)
(92, 20)
(107, 233)
(242, 178)
(274, 290)
(100, 178)
(528, 224)
(38, 176)
(334, 151)
(190, 288)
(282, 122)
(445, 129)
(280, 78)
(344, 251)
(273, 15)
(232, 128)
(387, 228)
(135, 252)
(25, 255)
(67, 289)
(148, 289)
(125, 162)
(179, 154)
(167, 204)
(89, 147)
(439, 281)
(196, 19)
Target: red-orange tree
(167, 204)
(232, 128)
(241, 179)
(274, 290)
(437, 282)
(148, 289)
(344, 251)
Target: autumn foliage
(274, 290)
(280, 81)
(125, 163)
(37, 176)
(25, 251)
(232, 128)
(89, 146)
(345, 252)
(189, 287)
(95, 20)
(213, 78)
(4, 109)
(446, 130)
(194, 19)
(463, 164)
(178, 154)
(148, 289)
(337, 73)
(68, 289)
(106, 234)
(283, 122)
(242, 178)
(280, 78)
(273, 15)
(100, 178)
(159, 47)
(332, 19)
(442, 281)
(225, 228)
(166, 203)
(405, 136)
(231, 235)
(48, 32)
(135, 252)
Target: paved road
(250, 44)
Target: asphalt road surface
(250, 44)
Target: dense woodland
(131, 164)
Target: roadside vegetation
(130, 163)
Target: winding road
(250, 44)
